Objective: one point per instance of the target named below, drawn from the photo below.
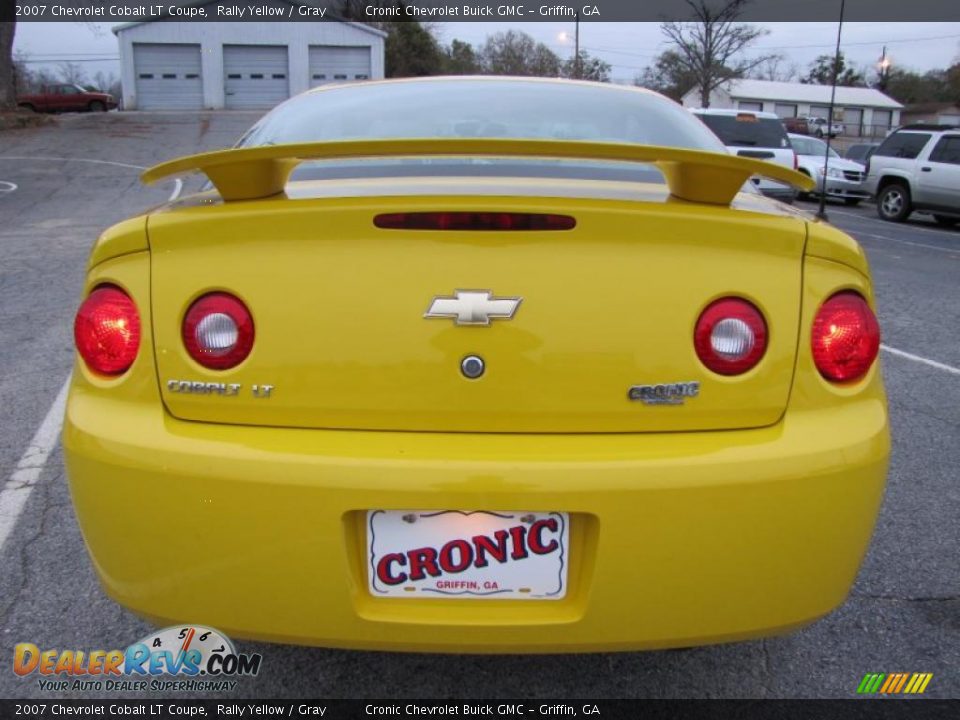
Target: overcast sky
(628, 47)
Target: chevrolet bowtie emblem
(473, 307)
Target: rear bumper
(675, 539)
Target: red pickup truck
(67, 98)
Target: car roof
(613, 87)
(725, 111)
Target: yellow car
(478, 365)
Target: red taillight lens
(845, 338)
(473, 221)
(218, 331)
(107, 331)
(796, 161)
(730, 336)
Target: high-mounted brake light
(730, 337)
(107, 331)
(845, 337)
(473, 221)
(218, 331)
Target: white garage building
(169, 65)
(864, 112)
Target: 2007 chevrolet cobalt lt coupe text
(482, 365)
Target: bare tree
(8, 93)
(106, 82)
(776, 67)
(709, 46)
(72, 73)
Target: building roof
(801, 92)
(932, 107)
(117, 29)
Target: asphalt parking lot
(71, 181)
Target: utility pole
(576, 47)
(884, 66)
(822, 213)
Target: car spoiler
(260, 172)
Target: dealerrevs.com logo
(179, 658)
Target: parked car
(67, 98)
(818, 127)
(861, 152)
(843, 179)
(797, 125)
(758, 135)
(917, 167)
(564, 387)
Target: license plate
(467, 554)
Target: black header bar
(120, 11)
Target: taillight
(218, 331)
(473, 221)
(107, 331)
(845, 338)
(730, 336)
(796, 161)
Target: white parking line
(24, 479)
(177, 183)
(7, 187)
(64, 159)
(932, 231)
(925, 361)
(906, 242)
(177, 188)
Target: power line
(618, 51)
(68, 60)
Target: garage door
(853, 121)
(329, 63)
(168, 76)
(255, 76)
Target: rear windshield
(859, 152)
(482, 108)
(812, 146)
(746, 130)
(903, 145)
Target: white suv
(758, 135)
(917, 168)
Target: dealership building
(865, 112)
(240, 65)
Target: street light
(883, 67)
(564, 37)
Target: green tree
(910, 87)
(953, 82)
(516, 53)
(411, 51)
(589, 68)
(459, 58)
(709, 48)
(668, 75)
(820, 72)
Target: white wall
(212, 36)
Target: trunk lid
(341, 336)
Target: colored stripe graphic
(918, 683)
(903, 681)
(894, 683)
